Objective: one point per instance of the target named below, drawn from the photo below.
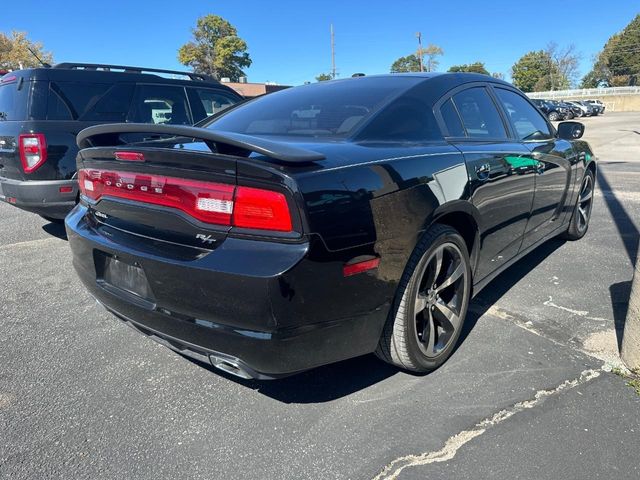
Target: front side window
(160, 104)
(205, 102)
(479, 114)
(526, 120)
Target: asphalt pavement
(527, 394)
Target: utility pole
(333, 54)
(419, 35)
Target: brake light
(8, 78)
(261, 209)
(215, 203)
(33, 151)
(131, 156)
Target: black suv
(43, 109)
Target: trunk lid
(193, 189)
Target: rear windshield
(324, 109)
(13, 103)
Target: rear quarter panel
(384, 200)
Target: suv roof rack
(95, 66)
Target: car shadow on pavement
(620, 292)
(321, 384)
(337, 380)
(56, 230)
(503, 283)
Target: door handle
(482, 171)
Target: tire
(59, 221)
(422, 340)
(579, 223)
(569, 116)
(554, 116)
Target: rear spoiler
(103, 135)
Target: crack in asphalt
(457, 441)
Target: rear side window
(113, 106)
(452, 119)
(406, 119)
(160, 104)
(479, 114)
(206, 102)
(526, 120)
(72, 100)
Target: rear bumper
(264, 307)
(40, 196)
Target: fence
(586, 92)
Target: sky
(289, 40)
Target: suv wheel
(554, 117)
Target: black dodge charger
(325, 221)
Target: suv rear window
(71, 100)
(13, 104)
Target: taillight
(33, 151)
(216, 203)
(261, 209)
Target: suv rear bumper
(40, 196)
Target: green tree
(15, 54)
(535, 72)
(476, 67)
(323, 77)
(619, 61)
(410, 63)
(216, 49)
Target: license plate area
(123, 278)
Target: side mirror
(570, 130)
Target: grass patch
(632, 377)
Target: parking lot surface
(525, 395)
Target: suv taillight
(215, 203)
(33, 151)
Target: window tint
(452, 119)
(113, 106)
(334, 109)
(206, 102)
(479, 114)
(528, 123)
(407, 118)
(71, 100)
(8, 101)
(160, 104)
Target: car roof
(68, 72)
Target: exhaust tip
(230, 366)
